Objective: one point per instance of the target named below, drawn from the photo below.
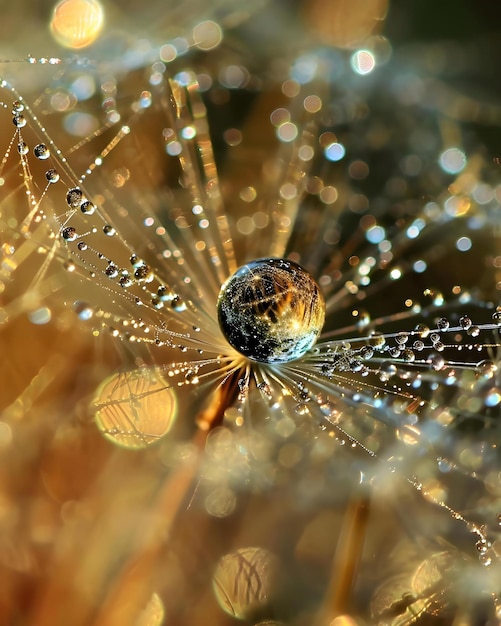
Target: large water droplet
(271, 310)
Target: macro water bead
(271, 310)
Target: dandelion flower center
(271, 310)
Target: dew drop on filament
(74, 197)
(41, 152)
(271, 310)
(52, 176)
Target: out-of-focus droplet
(220, 502)
(452, 160)
(207, 35)
(363, 62)
(41, 316)
(136, 408)
(345, 23)
(245, 580)
(486, 369)
(432, 574)
(82, 309)
(77, 23)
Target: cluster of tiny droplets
(153, 260)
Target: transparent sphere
(77, 23)
(134, 409)
(271, 310)
(245, 580)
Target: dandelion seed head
(378, 368)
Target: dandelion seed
(228, 327)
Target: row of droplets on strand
(83, 224)
(143, 274)
(333, 370)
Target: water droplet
(191, 377)
(52, 176)
(220, 502)
(244, 581)
(465, 322)
(378, 341)
(143, 273)
(77, 23)
(367, 352)
(22, 148)
(437, 362)
(178, 304)
(125, 280)
(386, 371)
(111, 270)
(164, 294)
(486, 369)
(402, 338)
(473, 331)
(83, 310)
(408, 355)
(493, 397)
(109, 230)
(422, 330)
(41, 151)
(40, 316)
(19, 121)
(271, 310)
(74, 197)
(87, 207)
(135, 409)
(481, 546)
(443, 323)
(69, 233)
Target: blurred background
(97, 533)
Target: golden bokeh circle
(136, 408)
(77, 23)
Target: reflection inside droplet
(271, 310)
